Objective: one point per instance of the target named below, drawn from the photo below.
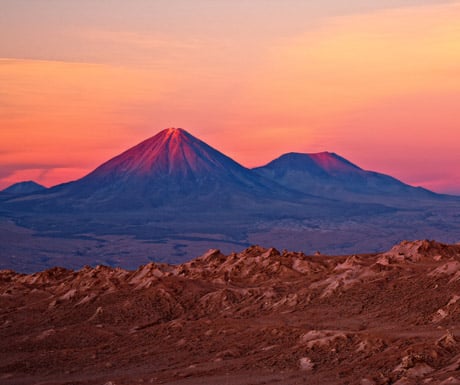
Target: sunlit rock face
(260, 315)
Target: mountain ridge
(24, 187)
(170, 168)
(172, 196)
(174, 162)
(251, 317)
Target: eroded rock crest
(259, 316)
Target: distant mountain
(172, 168)
(177, 170)
(173, 154)
(329, 175)
(26, 187)
(172, 196)
(172, 160)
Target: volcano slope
(257, 317)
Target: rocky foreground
(257, 317)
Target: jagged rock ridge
(259, 315)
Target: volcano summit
(172, 156)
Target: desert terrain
(261, 316)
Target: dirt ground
(257, 317)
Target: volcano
(171, 154)
(172, 168)
(329, 175)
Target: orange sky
(380, 86)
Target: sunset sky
(377, 82)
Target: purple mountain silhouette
(170, 168)
(174, 196)
(176, 169)
(172, 154)
(329, 175)
(26, 187)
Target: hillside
(257, 317)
